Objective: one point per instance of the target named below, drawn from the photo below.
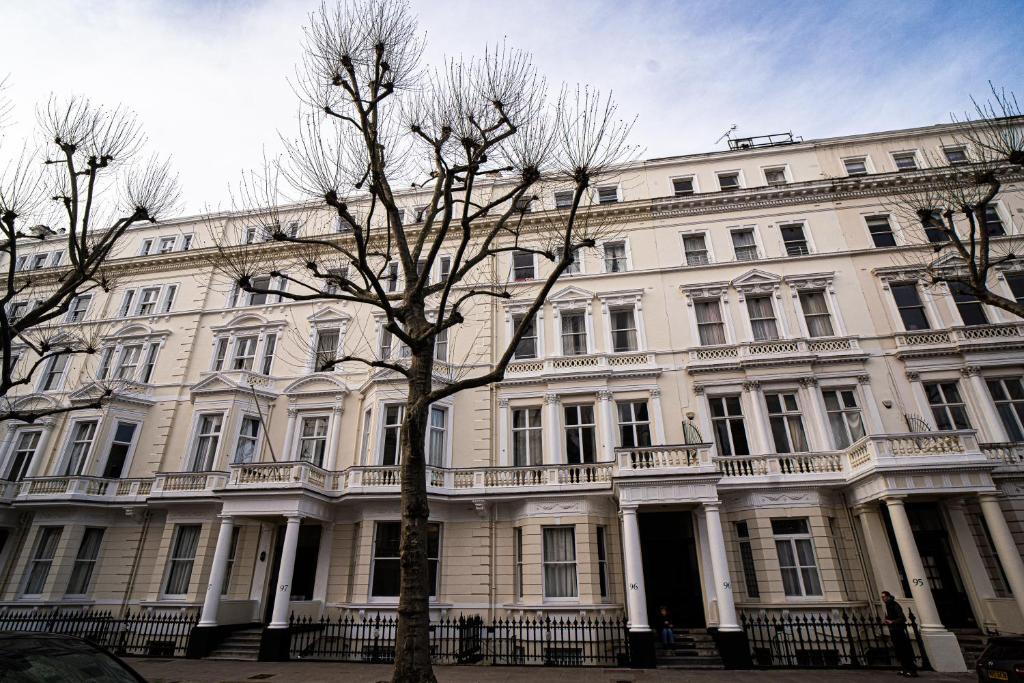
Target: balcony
(959, 339)
(188, 484)
(475, 481)
(775, 352)
(285, 475)
(819, 468)
(915, 450)
(594, 363)
(664, 460)
(1008, 457)
(83, 489)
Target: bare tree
(481, 141)
(80, 190)
(964, 241)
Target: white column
(816, 411)
(503, 432)
(636, 594)
(283, 595)
(658, 416)
(873, 419)
(608, 426)
(762, 441)
(552, 426)
(984, 407)
(720, 568)
(211, 602)
(288, 434)
(972, 567)
(1006, 548)
(920, 397)
(919, 588)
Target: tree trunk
(412, 643)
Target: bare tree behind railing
(959, 242)
(77, 192)
(481, 141)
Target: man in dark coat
(897, 623)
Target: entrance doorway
(939, 566)
(671, 574)
(307, 551)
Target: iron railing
(142, 634)
(468, 640)
(825, 641)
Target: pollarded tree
(954, 209)
(79, 191)
(480, 140)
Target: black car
(53, 658)
(1002, 660)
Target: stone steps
(691, 649)
(241, 645)
(972, 643)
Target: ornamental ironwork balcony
(188, 484)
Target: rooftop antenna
(727, 135)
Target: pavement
(206, 671)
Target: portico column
(762, 439)
(211, 602)
(1006, 548)
(919, 588)
(608, 428)
(551, 423)
(876, 542)
(941, 645)
(282, 598)
(720, 568)
(636, 594)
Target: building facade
(742, 401)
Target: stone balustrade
(1005, 455)
(594, 362)
(79, 487)
(772, 350)
(266, 475)
(188, 484)
(668, 458)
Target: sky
(209, 78)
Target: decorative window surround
(135, 299)
(761, 283)
(9, 445)
(113, 348)
(600, 246)
(776, 175)
(315, 394)
(624, 299)
(512, 309)
(893, 276)
(709, 257)
(816, 282)
(572, 299)
(246, 325)
(704, 292)
(326, 319)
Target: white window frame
(12, 451)
(869, 167)
(65, 360)
(786, 175)
(712, 291)
(538, 328)
(257, 440)
(172, 240)
(672, 185)
(792, 539)
(779, 327)
(382, 428)
(597, 194)
(578, 428)
(785, 416)
(805, 230)
(108, 442)
(512, 266)
(446, 436)
(587, 331)
(708, 248)
(171, 559)
(193, 442)
(76, 314)
(146, 248)
(740, 180)
(37, 559)
(757, 243)
(601, 245)
(894, 228)
(71, 441)
(574, 562)
(530, 458)
(843, 412)
(91, 562)
(901, 152)
(816, 282)
(958, 148)
(618, 300)
(300, 421)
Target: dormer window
(522, 205)
(166, 245)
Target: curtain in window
(762, 318)
(559, 563)
(623, 331)
(45, 551)
(696, 251)
(437, 428)
(182, 557)
(709, 322)
(81, 574)
(574, 335)
(808, 570)
(819, 322)
(787, 566)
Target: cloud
(209, 79)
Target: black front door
(939, 566)
(307, 551)
(671, 576)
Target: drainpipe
(147, 516)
